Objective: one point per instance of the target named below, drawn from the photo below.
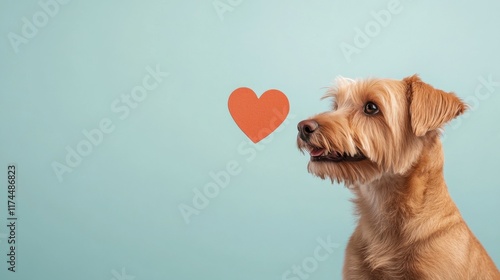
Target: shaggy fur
(408, 228)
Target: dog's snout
(306, 128)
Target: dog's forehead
(349, 91)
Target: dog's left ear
(431, 108)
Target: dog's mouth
(322, 154)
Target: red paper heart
(258, 117)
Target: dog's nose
(306, 128)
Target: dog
(382, 139)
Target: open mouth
(321, 154)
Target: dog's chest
(381, 251)
(390, 263)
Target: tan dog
(382, 140)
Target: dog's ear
(430, 108)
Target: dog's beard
(348, 172)
(337, 164)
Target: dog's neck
(393, 198)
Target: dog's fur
(409, 227)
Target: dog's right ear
(430, 108)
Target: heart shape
(258, 117)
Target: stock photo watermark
(371, 29)
(485, 89)
(121, 276)
(223, 6)
(219, 180)
(30, 26)
(121, 107)
(310, 264)
(12, 218)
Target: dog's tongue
(316, 152)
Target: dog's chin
(348, 172)
(321, 155)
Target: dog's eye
(371, 108)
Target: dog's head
(376, 127)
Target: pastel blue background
(119, 209)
